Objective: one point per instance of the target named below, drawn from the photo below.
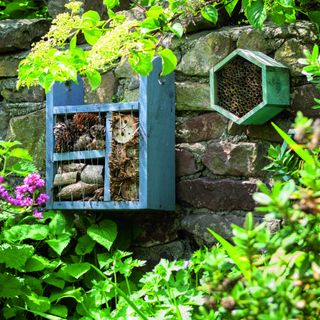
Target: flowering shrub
(28, 196)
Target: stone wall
(218, 162)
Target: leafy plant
(23, 9)
(58, 58)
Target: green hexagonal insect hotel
(248, 87)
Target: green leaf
(10, 286)
(150, 24)
(141, 63)
(256, 12)
(230, 6)
(210, 13)
(26, 231)
(69, 292)
(110, 4)
(169, 61)
(85, 245)
(92, 35)
(54, 281)
(9, 312)
(21, 153)
(262, 198)
(155, 12)
(37, 303)
(94, 78)
(236, 255)
(303, 154)
(76, 270)
(59, 244)
(15, 256)
(22, 168)
(38, 263)
(177, 29)
(104, 233)
(59, 310)
(314, 16)
(90, 18)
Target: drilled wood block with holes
(116, 156)
(248, 87)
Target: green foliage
(15, 160)
(23, 9)
(58, 58)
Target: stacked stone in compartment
(124, 158)
(78, 181)
(239, 86)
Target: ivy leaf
(59, 244)
(10, 286)
(177, 29)
(94, 78)
(103, 233)
(76, 270)
(26, 231)
(256, 12)
(15, 256)
(21, 153)
(210, 13)
(169, 61)
(85, 245)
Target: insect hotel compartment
(249, 87)
(116, 156)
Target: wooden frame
(275, 84)
(156, 108)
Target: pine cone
(85, 120)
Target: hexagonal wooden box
(249, 87)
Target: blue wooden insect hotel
(117, 156)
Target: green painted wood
(275, 85)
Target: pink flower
(42, 199)
(34, 179)
(37, 214)
(1, 179)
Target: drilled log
(77, 191)
(93, 174)
(65, 179)
(71, 167)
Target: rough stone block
(30, 130)
(10, 94)
(192, 96)
(235, 159)
(185, 163)
(205, 52)
(21, 109)
(253, 39)
(20, 34)
(9, 64)
(289, 54)
(197, 225)
(217, 195)
(303, 100)
(204, 127)
(104, 93)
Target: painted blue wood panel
(121, 106)
(157, 139)
(156, 111)
(79, 155)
